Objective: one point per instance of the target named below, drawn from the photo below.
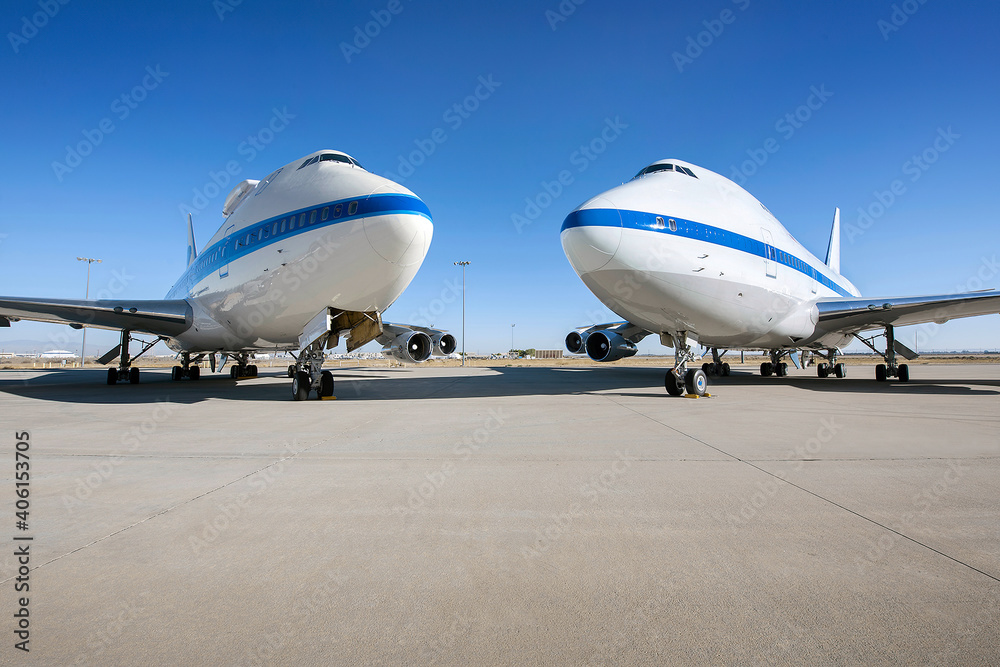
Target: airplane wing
(411, 343)
(852, 315)
(160, 318)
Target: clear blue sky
(554, 86)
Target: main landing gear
(125, 370)
(186, 369)
(716, 366)
(680, 377)
(890, 369)
(776, 366)
(241, 368)
(831, 366)
(308, 375)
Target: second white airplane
(686, 254)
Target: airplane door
(770, 255)
(224, 268)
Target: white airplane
(313, 253)
(686, 254)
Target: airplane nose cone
(400, 238)
(591, 235)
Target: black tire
(903, 373)
(880, 373)
(840, 370)
(696, 382)
(326, 384)
(291, 370)
(252, 368)
(766, 369)
(133, 375)
(781, 369)
(673, 384)
(194, 372)
(706, 368)
(822, 370)
(112, 376)
(300, 386)
(176, 373)
(725, 369)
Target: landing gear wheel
(903, 373)
(133, 375)
(725, 370)
(300, 386)
(673, 384)
(194, 372)
(766, 369)
(252, 370)
(706, 368)
(234, 372)
(822, 370)
(781, 369)
(325, 384)
(112, 376)
(696, 382)
(840, 370)
(291, 370)
(176, 373)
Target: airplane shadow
(388, 384)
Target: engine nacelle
(444, 345)
(411, 347)
(603, 347)
(576, 342)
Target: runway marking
(801, 488)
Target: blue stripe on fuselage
(605, 217)
(262, 234)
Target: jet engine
(603, 347)
(411, 347)
(444, 344)
(576, 342)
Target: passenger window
(659, 222)
(326, 213)
(337, 210)
(274, 229)
(302, 219)
(312, 216)
(353, 208)
(283, 225)
(673, 225)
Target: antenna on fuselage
(192, 251)
(833, 250)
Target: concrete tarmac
(505, 516)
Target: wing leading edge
(158, 317)
(852, 315)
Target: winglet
(192, 251)
(833, 250)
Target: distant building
(548, 354)
(57, 354)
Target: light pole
(463, 264)
(83, 347)
(512, 341)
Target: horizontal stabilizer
(904, 351)
(110, 355)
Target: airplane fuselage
(671, 252)
(325, 234)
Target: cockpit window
(333, 157)
(653, 168)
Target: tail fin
(833, 250)
(192, 251)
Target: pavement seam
(812, 493)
